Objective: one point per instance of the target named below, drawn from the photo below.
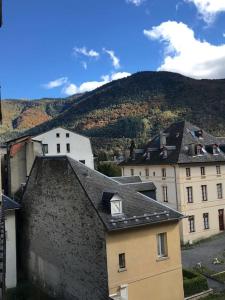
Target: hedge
(194, 283)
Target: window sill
(122, 270)
(162, 258)
(218, 175)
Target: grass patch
(194, 283)
(220, 277)
(220, 296)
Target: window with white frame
(162, 244)
(219, 191)
(122, 261)
(147, 172)
(191, 221)
(188, 172)
(218, 170)
(189, 194)
(163, 172)
(202, 171)
(204, 193)
(165, 193)
(206, 220)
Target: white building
(61, 141)
(187, 166)
(10, 206)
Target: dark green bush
(194, 283)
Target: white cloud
(113, 57)
(208, 9)
(84, 65)
(55, 83)
(88, 86)
(84, 51)
(70, 89)
(135, 2)
(186, 54)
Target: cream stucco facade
(145, 273)
(176, 183)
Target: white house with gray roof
(60, 141)
(187, 166)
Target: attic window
(215, 149)
(199, 134)
(116, 206)
(199, 150)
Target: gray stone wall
(62, 238)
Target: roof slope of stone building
(137, 209)
(180, 143)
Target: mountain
(138, 106)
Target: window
(132, 172)
(116, 207)
(199, 150)
(218, 170)
(57, 135)
(165, 194)
(58, 148)
(219, 191)
(191, 221)
(188, 172)
(202, 171)
(206, 220)
(45, 148)
(189, 194)
(163, 172)
(67, 135)
(68, 148)
(204, 193)
(122, 261)
(153, 174)
(146, 172)
(162, 245)
(82, 161)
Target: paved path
(205, 252)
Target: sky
(53, 48)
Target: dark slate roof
(179, 138)
(9, 204)
(138, 209)
(128, 179)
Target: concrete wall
(11, 268)
(146, 276)
(62, 238)
(80, 146)
(20, 164)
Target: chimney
(162, 139)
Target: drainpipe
(175, 175)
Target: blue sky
(55, 48)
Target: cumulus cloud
(186, 54)
(55, 83)
(84, 51)
(208, 9)
(88, 86)
(113, 57)
(135, 2)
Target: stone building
(187, 165)
(86, 236)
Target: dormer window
(116, 205)
(165, 153)
(215, 149)
(199, 150)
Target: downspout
(175, 175)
